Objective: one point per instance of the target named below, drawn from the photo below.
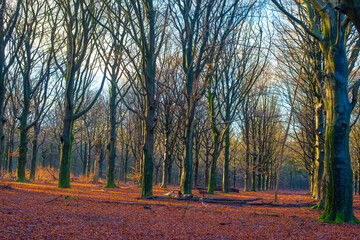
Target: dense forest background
(199, 93)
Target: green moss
(318, 206)
(23, 180)
(340, 217)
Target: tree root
(318, 206)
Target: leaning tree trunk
(338, 172)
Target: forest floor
(40, 210)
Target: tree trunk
(186, 176)
(66, 139)
(84, 157)
(196, 166)
(206, 173)
(214, 157)
(356, 183)
(126, 163)
(88, 160)
(23, 141)
(358, 172)
(253, 180)
(226, 176)
(43, 155)
(338, 173)
(111, 147)
(156, 175)
(11, 147)
(247, 158)
(97, 160)
(170, 181)
(319, 154)
(34, 151)
(166, 162)
(165, 174)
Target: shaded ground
(88, 211)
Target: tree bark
(187, 163)
(97, 160)
(111, 148)
(34, 151)
(23, 139)
(66, 139)
(88, 160)
(338, 173)
(226, 175)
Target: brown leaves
(90, 212)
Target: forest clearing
(40, 210)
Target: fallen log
(203, 190)
(226, 201)
(6, 186)
(310, 204)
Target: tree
(34, 53)
(77, 73)
(8, 19)
(338, 172)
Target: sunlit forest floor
(40, 210)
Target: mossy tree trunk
(78, 68)
(149, 122)
(338, 172)
(24, 127)
(318, 194)
(66, 139)
(111, 148)
(226, 164)
(217, 139)
(34, 151)
(197, 159)
(186, 175)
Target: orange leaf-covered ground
(88, 211)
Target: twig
(52, 174)
(186, 208)
(54, 199)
